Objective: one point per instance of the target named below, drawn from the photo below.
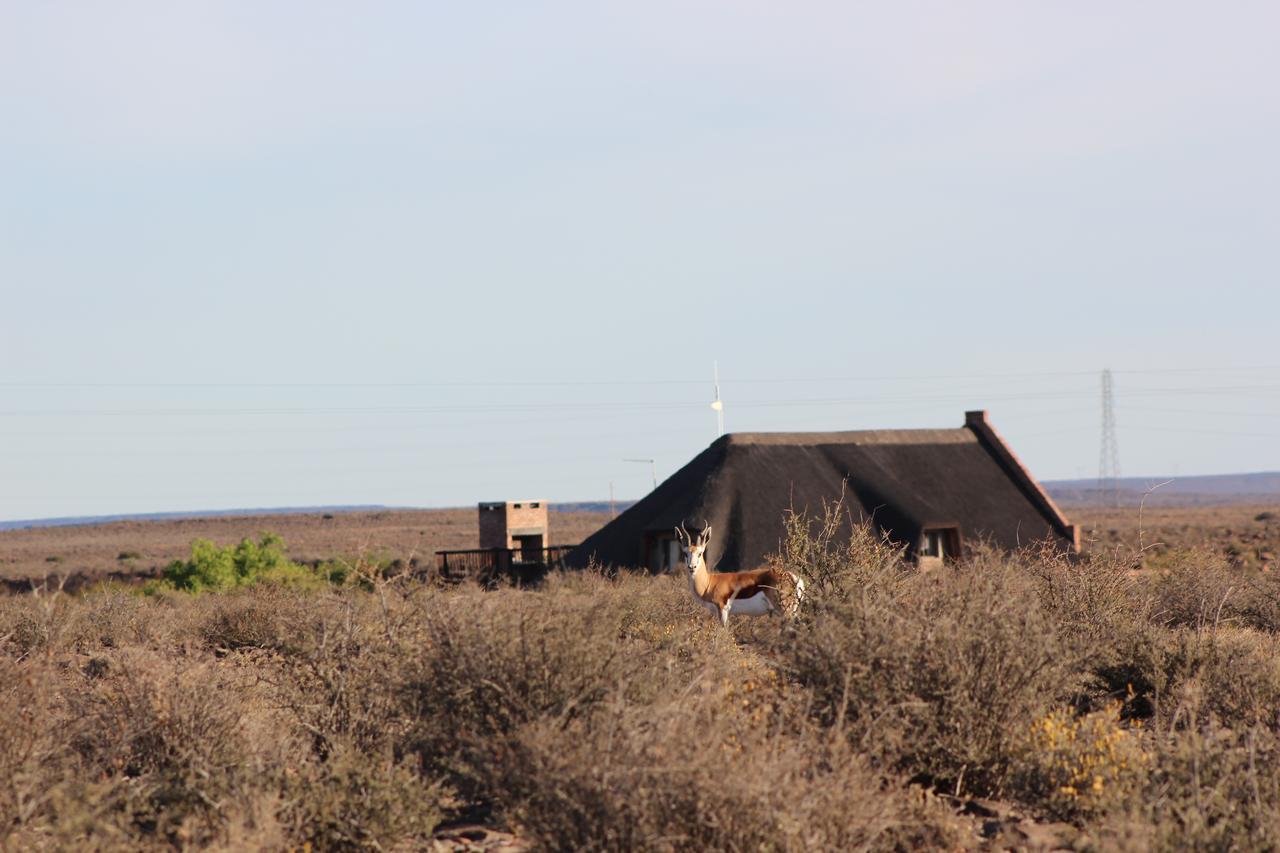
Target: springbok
(757, 592)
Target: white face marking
(693, 555)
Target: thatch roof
(903, 480)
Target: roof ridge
(921, 435)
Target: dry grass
(141, 547)
(599, 713)
(1245, 536)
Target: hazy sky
(260, 254)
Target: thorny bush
(604, 712)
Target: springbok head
(694, 549)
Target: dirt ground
(1246, 535)
(140, 547)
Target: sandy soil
(1247, 535)
(142, 546)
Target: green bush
(215, 569)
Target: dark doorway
(529, 548)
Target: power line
(500, 408)
(540, 383)
(1214, 412)
(422, 469)
(450, 446)
(1139, 427)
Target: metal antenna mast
(1108, 454)
(717, 403)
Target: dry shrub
(488, 663)
(33, 623)
(345, 687)
(1209, 788)
(50, 621)
(1230, 676)
(33, 760)
(356, 801)
(602, 712)
(110, 619)
(1258, 601)
(168, 742)
(839, 558)
(270, 618)
(1168, 675)
(1195, 588)
(357, 786)
(694, 773)
(941, 680)
(1088, 597)
(1132, 665)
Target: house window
(931, 544)
(662, 553)
(938, 544)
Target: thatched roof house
(932, 489)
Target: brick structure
(520, 525)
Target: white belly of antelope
(752, 605)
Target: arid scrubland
(95, 552)
(1137, 710)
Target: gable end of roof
(976, 421)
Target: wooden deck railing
(497, 565)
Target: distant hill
(70, 521)
(82, 520)
(591, 506)
(1206, 490)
